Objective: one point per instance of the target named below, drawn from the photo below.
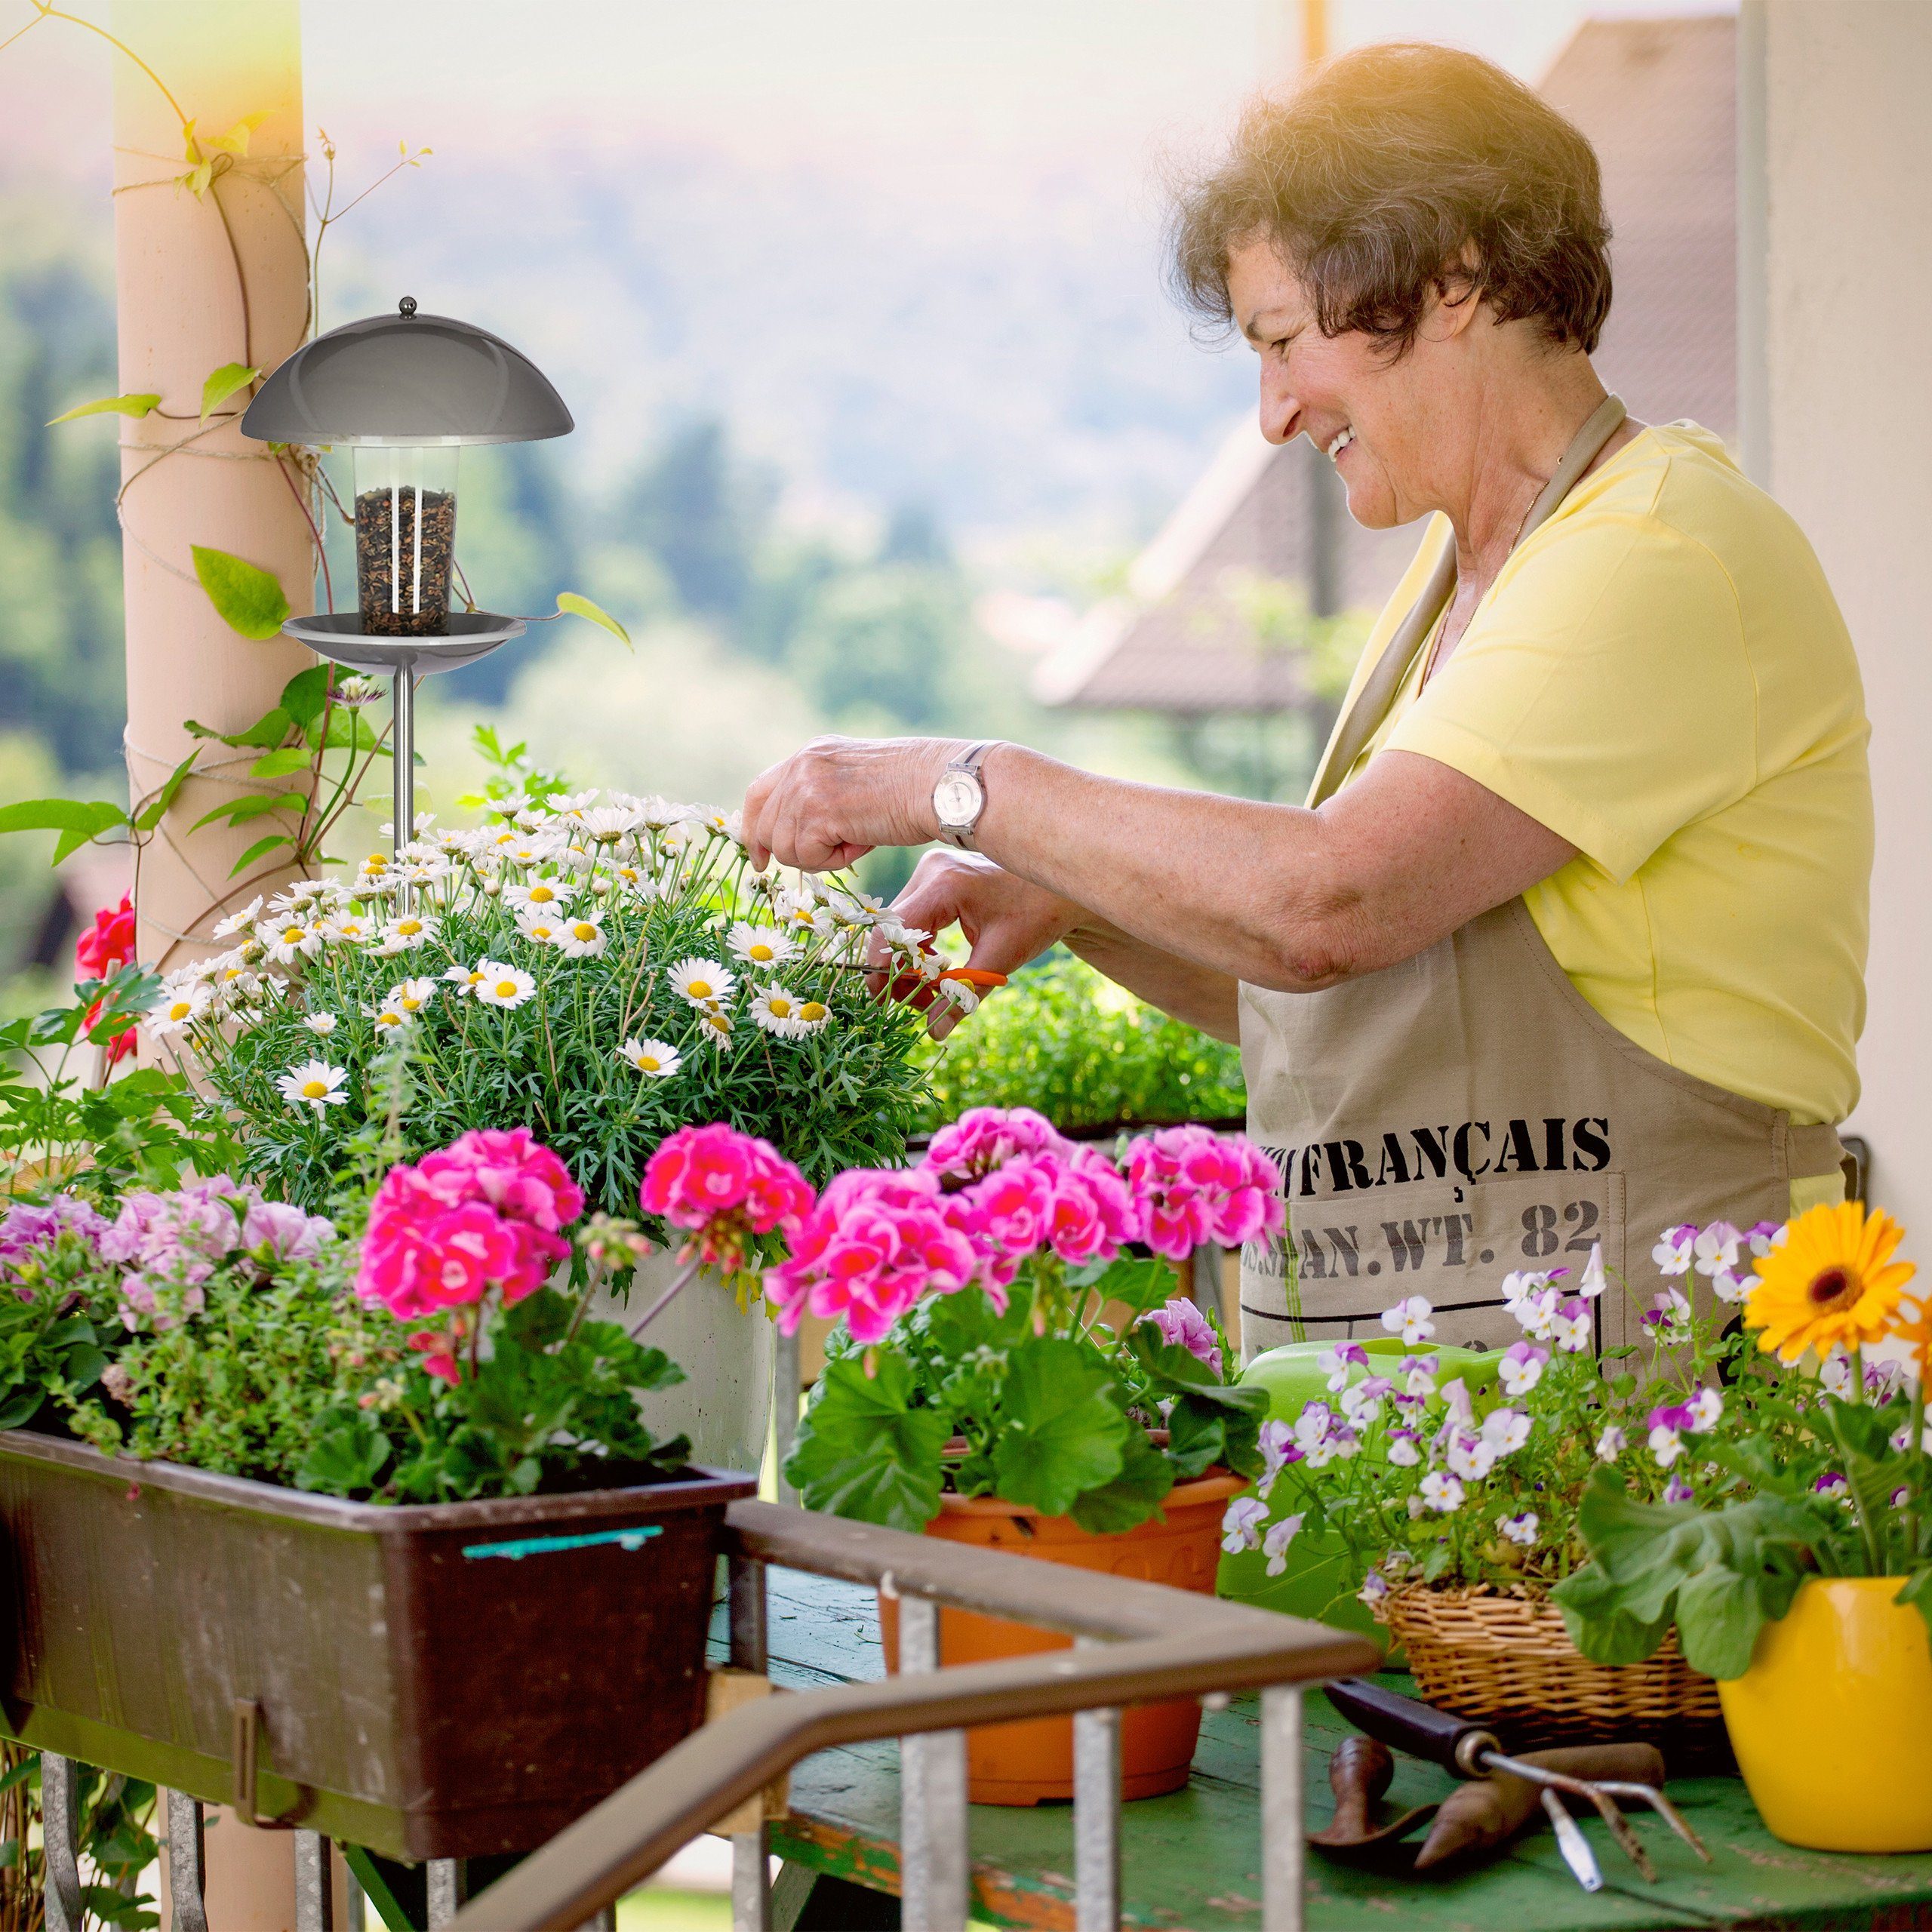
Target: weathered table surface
(1192, 1861)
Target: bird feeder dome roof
(409, 379)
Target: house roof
(1657, 99)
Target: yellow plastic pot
(1832, 1723)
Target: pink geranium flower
(1192, 1187)
(512, 1170)
(728, 1188)
(481, 1213)
(874, 1244)
(984, 1138)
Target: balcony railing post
(187, 1864)
(60, 1820)
(314, 1884)
(1096, 1818)
(751, 1851)
(1282, 1854)
(935, 1870)
(449, 1890)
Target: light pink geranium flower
(1183, 1325)
(984, 1138)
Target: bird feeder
(404, 392)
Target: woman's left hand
(830, 803)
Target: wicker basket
(1502, 1658)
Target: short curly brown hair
(1397, 172)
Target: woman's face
(1375, 420)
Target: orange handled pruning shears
(973, 976)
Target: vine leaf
(152, 815)
(260, 849)
(77, 820)
(223, 383)
(247, 597)
(570, 604)
(280, 764)
(139, 404)
(238, 811)
(235, 141)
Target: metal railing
(1135, 1642)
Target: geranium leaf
(1144, 1481)
(222, 383)
(138, 404)
(1060, 1433)
(572, 605)
(247, 598)
(864, 1450)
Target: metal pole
(402, 775)
(449, 1890)
(1754, 244)
(935, 1869)
(60, 1824)
(751, 1851)
(187, 1864)
(1096, 1817)
(786, 1377)
(1281, 1809)
(315, 1883)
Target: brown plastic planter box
(423, 1688)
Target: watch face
(956, 798)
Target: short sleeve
(1603, 688)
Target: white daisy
(958, 993)
(777, 1011)
(175, 1012)
(314, 1084)
(387, 1018)
(573, 804)
(375, 865)
(583, 936)
(654, 1057)
(465, 979)
(297, 897)
(543, 928)
(350, 926)
(717, 1024)
(504, 986)
(813, 1014)
(703, 981)
(291, 939)
(634, 880)
(540, 895)
(323, 1024)
(608, 824)
(243, 921)
(762, 946)
(661, 813)
(725, 825)
(410, 996)
(407, 933)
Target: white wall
(1847, 322)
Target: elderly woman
(1568, 946)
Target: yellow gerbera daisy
(1831, 1281)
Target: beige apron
(1468, 1113)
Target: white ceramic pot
(724, 1403)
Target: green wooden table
(1191, 1861)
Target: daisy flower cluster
(604, 966)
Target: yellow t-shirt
(1661, 675)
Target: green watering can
(1318, 1582)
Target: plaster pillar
(203, 280)
(1843, 158)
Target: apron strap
(1378, 691)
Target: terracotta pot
(1032, 1761)
(1832, 1723)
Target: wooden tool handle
(1409, 1726)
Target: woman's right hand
(1006, 919)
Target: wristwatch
(959, 797)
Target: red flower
(100, 953)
